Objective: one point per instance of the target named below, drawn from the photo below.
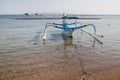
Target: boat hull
(67, 34)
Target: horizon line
(43, 13)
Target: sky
(60, 6)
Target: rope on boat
(79, 52)
(81, 60)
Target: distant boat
(36, 13)
(26, 14)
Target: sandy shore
(60, 62)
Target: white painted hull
(67, 34)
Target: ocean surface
(19, 34)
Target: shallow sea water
(22, 48)
(22, 33)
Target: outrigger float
(69, 28)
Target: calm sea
(16, 35)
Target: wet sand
(60, 62)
